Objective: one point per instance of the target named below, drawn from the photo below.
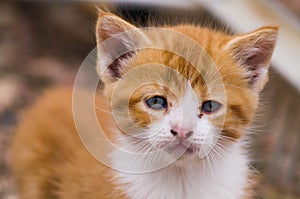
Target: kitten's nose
(181, 134)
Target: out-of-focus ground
(42, 44)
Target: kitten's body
(49, 161)
(55, 164)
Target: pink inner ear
(254, 60)
(254, 57)
(253, 52)
(115, 69)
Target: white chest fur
(213, 178)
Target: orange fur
(48, 158)
(47, 147)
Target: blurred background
(43, 43)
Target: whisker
(210, 166)
(218, 150)
(101, 109)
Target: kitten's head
(182, 89)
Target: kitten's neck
(211, 178)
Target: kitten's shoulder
(47, 156)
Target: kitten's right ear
(253, 52)
(115, 40)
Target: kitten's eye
(157, 103)
(210, 106)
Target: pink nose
(181, 133)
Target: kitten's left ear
(253, 51)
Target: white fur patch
(225, 178)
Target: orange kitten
(176, 106)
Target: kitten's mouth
(182, 149)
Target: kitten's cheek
(207, 131)
(140, 117)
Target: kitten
(176, 107)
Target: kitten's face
(163, 102)
(177, 121)
(165, 108)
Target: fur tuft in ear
(115, 54)
(253, 51)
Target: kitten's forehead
(189, 102)
(174, 72)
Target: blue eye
(210, 106)
(157, 103)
